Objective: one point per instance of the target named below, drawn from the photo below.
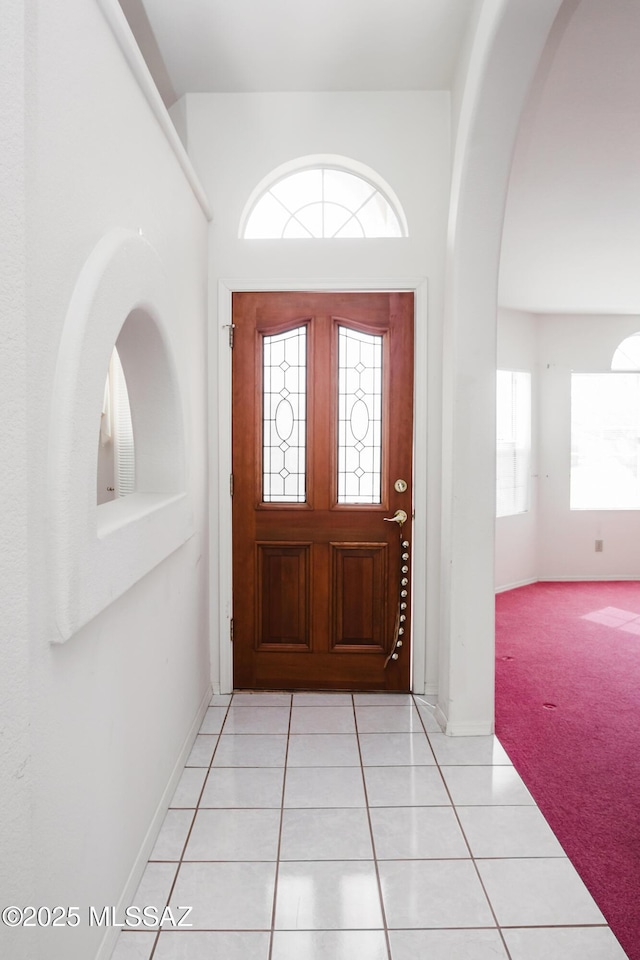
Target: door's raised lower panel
(358, 596)
(283, 618)
(331, 671)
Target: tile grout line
(193, 820)
(464, 835)
(373, 845)
(500, 927)
(453, 805)
(277, 871)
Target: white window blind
(123, 445)
(513, 442)
(605, 441)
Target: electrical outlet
(599, 546)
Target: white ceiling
(288, 45)
(572, 229)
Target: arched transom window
(627, 355)
(322, 202)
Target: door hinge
(231, 629)
(230, 484)
(231, 328)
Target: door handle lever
(399, 516)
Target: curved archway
(509, 40)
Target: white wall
(108, 712)
(516, 536)
(567, 537)
(235, 140)
(16, 872)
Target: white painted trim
(441, 717)
(223, 544)
(126, 41)
(590, 578)
(595, 578)
(480, 729)
(514, 586)
(135, 875)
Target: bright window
(284, 428)
(605, 441)
(627, 356)
(513, 446)
(116, 450)
(359, 416)
(322, 203)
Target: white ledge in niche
(115, 514)
(132, 537)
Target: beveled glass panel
(284, 426)
(359, 416)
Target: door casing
(424, 656)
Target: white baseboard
(514, 586)
(590, 579)
(112, 933)
(584, 579)
(479, 729)
(441, 717)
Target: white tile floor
(334, 827)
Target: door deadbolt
(400, 486)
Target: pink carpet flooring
(568, 715)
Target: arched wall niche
(121, 298)
(155, 402)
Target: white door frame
(221, 460)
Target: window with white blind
(605, 433)
(116, 451)
(605, 441)
(513, 442)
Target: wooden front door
(322, 454)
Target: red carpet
(568, 715)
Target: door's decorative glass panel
(284, 417)
(359, 416)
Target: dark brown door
(322, 454)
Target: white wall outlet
(599, 546)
